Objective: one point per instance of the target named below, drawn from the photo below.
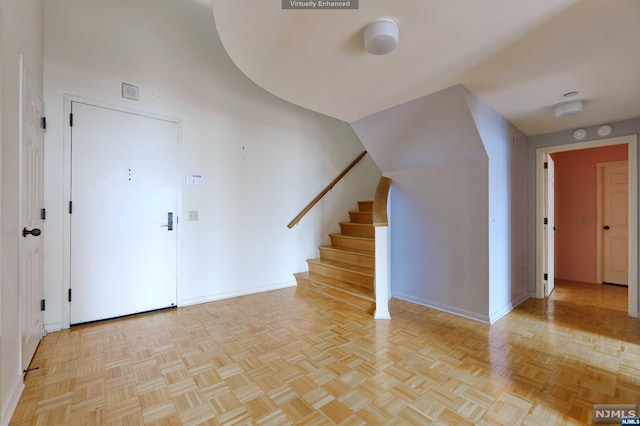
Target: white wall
(24, 23)
(20, 33)
(262, 159)
(431, 149)
(507, 150)
(434, 129)
(458, 226)
(439, 226)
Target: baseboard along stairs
(345, 270)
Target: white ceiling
(519, 57)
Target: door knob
(35, 232)
(607, 227)
(556, 228)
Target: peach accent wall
(575, 201)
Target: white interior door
(124, 192)
(615, 212)
(31, 203)
(549, 227)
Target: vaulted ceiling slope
(519, 57)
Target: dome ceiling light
(381, 36)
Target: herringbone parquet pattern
(288, 357)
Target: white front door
(549, 227)
(615, 222)
(124, 194)
(31, 203)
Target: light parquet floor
(289, 357)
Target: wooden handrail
(304, 211)
(380, 202)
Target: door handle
(35, 232)
(607, 227)
(169, 224)
(556, 228)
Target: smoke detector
(567, 108)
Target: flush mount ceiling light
(381, 36)
(567, 108)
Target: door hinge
(71, 119)
(546, 221)
(545, 277)
(70, 207)
(546, 165)
(43, 123)
(43, 214)
(42, 305)
(69, 295)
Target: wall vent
(130, 91)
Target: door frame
(66, 234)
(599, 205)
(548, 257)
(632, 143)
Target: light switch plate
(192, 215)
(193, 179)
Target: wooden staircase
(345, 270)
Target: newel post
(381, 224)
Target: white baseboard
(54, 326)
(9, 406)
(442, 307)
(237, 293)
(508, 308)
(381, 315)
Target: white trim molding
(237, 293)
(632, 142)
(11, 403)
(442, 307)
(508, 308)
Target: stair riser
(337, 295)
(364, 281)
(350, 243)
(361, 217)
(348, 257)
(365, 206)
(358, 230)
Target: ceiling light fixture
(381, 36)
(567, 108)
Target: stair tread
(355, 238)
(350, 250)
(344, 266)
(340, 285)
(369, 225)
